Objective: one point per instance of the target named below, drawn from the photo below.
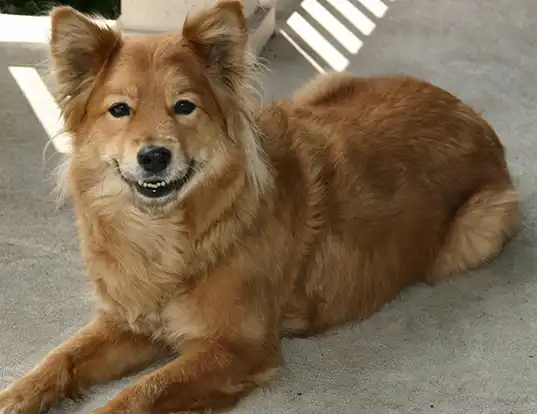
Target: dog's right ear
(80, 49)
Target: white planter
(142, 16)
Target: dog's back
(408, 184)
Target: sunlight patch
(43, 104)
(317, 42)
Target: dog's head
(154, 118)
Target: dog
(212, 226)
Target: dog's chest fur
(136, 269)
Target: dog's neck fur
(137, 260)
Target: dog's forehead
(153, 52)
(148, 61)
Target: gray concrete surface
(467, 346)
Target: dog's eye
(184, 107)
(119, 110)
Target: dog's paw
(13, 401)
(114, 410)
(122, 406)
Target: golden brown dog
(211, 228)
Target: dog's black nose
(154, 159)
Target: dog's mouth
(155, 188)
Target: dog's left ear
(80, 48)
(219, 38)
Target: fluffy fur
(299, 216)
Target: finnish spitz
(211, 226)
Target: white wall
(164, 15)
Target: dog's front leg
(210, 375)
(101, 351)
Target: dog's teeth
(153, 185)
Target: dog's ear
(80, 48)
(219, 37)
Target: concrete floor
(467, 346)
